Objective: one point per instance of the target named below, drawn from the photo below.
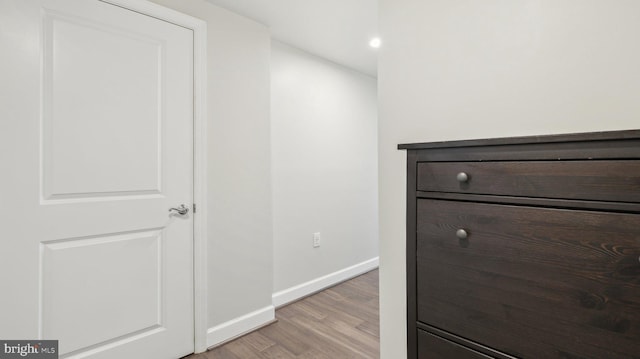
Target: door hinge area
(194, 208)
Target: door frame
(199, 28)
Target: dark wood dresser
(525, 247)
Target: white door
(96, 144)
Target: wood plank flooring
(339, 322)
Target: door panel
(97, 132)
(78, 277)
(89, 104)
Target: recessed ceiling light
(375, 42)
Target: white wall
(460, 69)
(324, 166)
(239, 225)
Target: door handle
(182, 210)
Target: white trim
(302, 290)
(200, 254)
(199, 28)
(239, 326)
(159, 12)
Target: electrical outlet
(316, 239)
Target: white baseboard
(239, 326)
(302, 290)
(249, 322)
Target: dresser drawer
(532, 282)
(606, 180)
(433, 347)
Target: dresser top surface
(573, 137)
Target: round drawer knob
(462, 177)
(462, 234)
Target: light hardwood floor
(339, 322)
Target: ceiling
(338, 30)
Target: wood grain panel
(584, 180)
(585, 139)
(434, 347)
(531, 282)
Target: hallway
(339, 322)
